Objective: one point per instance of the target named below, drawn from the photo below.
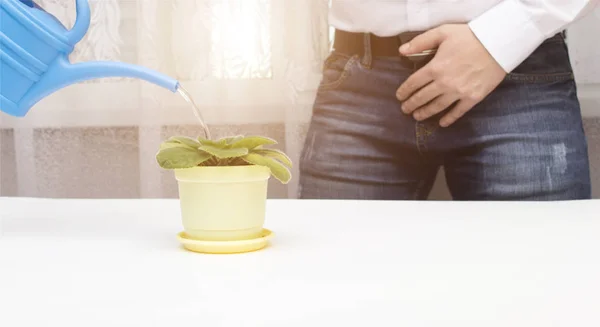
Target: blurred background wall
(252, 65)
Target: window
(241, 39)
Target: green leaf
(224, 153)
(172, 144)
(218, 143)
(181, 157)
(251, 142)
(278, 170)
(232, 140)
(275, 154)
(185, 140)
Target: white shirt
(509, 29)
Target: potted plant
(223, 189)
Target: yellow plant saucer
(225, 247)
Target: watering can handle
(82, 23)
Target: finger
(436, 106)
(412, 84)
(426, 41)
(459, 110)
(421, 97)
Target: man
(483, 88)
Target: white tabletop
(89, 263)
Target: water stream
(188, 98)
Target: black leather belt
(355, 43)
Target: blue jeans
(525, 141)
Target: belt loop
(367, 59)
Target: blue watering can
(34, 51)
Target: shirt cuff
(508, 33)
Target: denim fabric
(525, 141)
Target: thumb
(427, 41)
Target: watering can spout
(63, 73)
(34, 52)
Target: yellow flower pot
(223, 203)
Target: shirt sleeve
(513, 29)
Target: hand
(460, 75)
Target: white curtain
(251, 65)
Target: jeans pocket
(336, 70)
(550, 62)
